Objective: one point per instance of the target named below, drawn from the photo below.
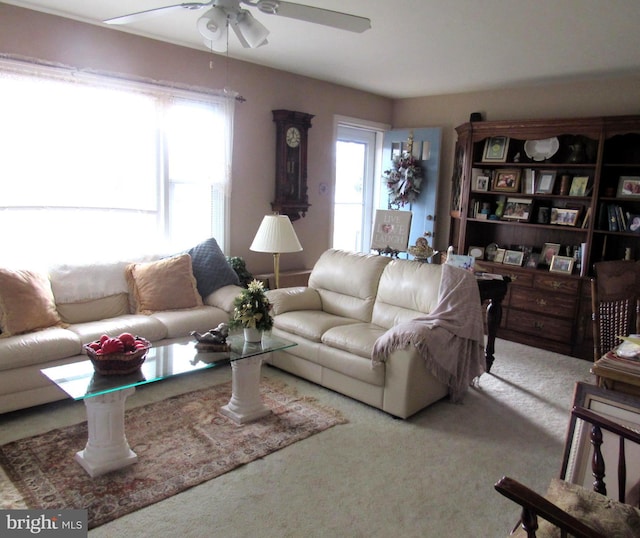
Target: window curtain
(85, 162)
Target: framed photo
(507, 181)
(578, 452)
(533, 260)
(549, 250)
(481, 183)
(561, 264)
(564, 217)
(477, 252)
(513, 257)
(629, 187)
(579, 186)
(495, 149)
(499, 255)
(545, 179)
(517, 209)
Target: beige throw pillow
(166, 284)
(26, 302)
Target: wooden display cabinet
(569, 183)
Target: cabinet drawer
(518, 278)
(557, 304)
(542, 326)
(551, 282)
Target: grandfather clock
(291, 163)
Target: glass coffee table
(107, 447)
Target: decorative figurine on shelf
(213, 340)
(421, 251)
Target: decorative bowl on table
(113, 356)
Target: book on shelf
(587, 216)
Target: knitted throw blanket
(450, 339)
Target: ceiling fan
(213, 24)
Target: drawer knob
(555, 284)
(538, 325)
(541, 302)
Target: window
(97, 168)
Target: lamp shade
(249, 31)
(276, 235)
(213, 25)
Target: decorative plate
(539, 150)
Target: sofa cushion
(201, 319)
(348, 282)
(166, 284)
(350, 365)
(358, 338)
(26, 302)
(407, 289)
(39, 347)
(146, 326)
(310, 324)
(210, 267)
(94, 309)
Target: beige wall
(596, 97)
(37, 35)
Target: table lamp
(276, 235)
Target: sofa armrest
(298, 298)
(223, 297)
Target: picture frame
(578, 452)
(549, 250)
(507, 180)
(562, 264)
(513, 257)
(579, 186)
(476, 252)
(499, 258)
(533, 260)
(564, 216)
(545, 181)
(481, 183)
(495, 149)
(629, 187)
(518, 209)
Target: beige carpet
(430, 476)
(180, 442)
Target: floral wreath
(404, 180)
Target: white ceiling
(417, 47)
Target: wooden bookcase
(508, 192)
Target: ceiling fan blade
(141, 15)
(335, 19)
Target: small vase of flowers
(252, 312)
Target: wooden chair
(615, 295)
(615, 303)
(572, 510)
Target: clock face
(293, 137)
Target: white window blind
(93, 167)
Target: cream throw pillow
(26, 302)
(166, 284)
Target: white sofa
(91, 300)
(352, 300)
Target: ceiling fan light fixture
(213, 24)
(249, 30)
(269, 6)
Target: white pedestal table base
(245, 404)
(107, 448)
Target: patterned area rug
(180, 442)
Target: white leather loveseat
(47, 316)
(353, 299)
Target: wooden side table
(288, 279)
(617, 380)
